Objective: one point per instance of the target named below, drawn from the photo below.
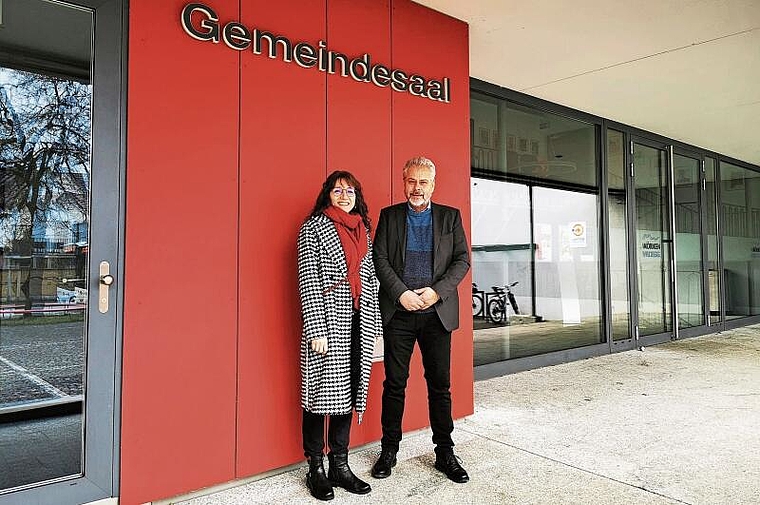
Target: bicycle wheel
(477, 306)
(496, 311)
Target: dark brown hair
(323, 198)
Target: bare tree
(44, 159)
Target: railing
(734, 220)
(48, 309)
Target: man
(421, 255)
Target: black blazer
(451, 260)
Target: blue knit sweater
(418, 266)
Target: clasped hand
(319, 345)
(419, 299)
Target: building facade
(158, 158)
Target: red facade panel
(178, 396)
(233, 147)
(282, 166)
(359, 113)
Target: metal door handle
(106, 279)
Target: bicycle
(497, 307)
(478, 304)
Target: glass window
(45, 110)
(713, 274)
(507, 138)
(618, 259)
(501, 256)
(687, 186)
(485, 134)
(740, 223)
(567, 275)
(557, 252)
(535, 249)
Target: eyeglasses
(350, 192)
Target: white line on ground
(33, 378)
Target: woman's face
(343, 196)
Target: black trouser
(339, 426)
(403, 330)
(338, 433)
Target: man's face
(418, 187)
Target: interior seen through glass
(535, 282)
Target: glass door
(653, 241)
(691, 281)
(59, 241)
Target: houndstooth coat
(327, 308)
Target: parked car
(77, 295)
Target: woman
(341, 318)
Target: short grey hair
(419, 161)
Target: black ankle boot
(382, 467)
(341, 475)
(317, 481)
(448, 463)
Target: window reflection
(507, 138)
(740, 223)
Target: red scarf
(353, 238)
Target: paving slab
(675, 423)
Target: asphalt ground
(40, 449)
(40, 361)
(677, 423)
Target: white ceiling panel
(688, 69)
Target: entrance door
(691, 279)
(653, 267)
(59, 242)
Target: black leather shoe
(317, 481)
(382, 467)
(448, 463)
(340, 474)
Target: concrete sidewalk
(676, 423)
